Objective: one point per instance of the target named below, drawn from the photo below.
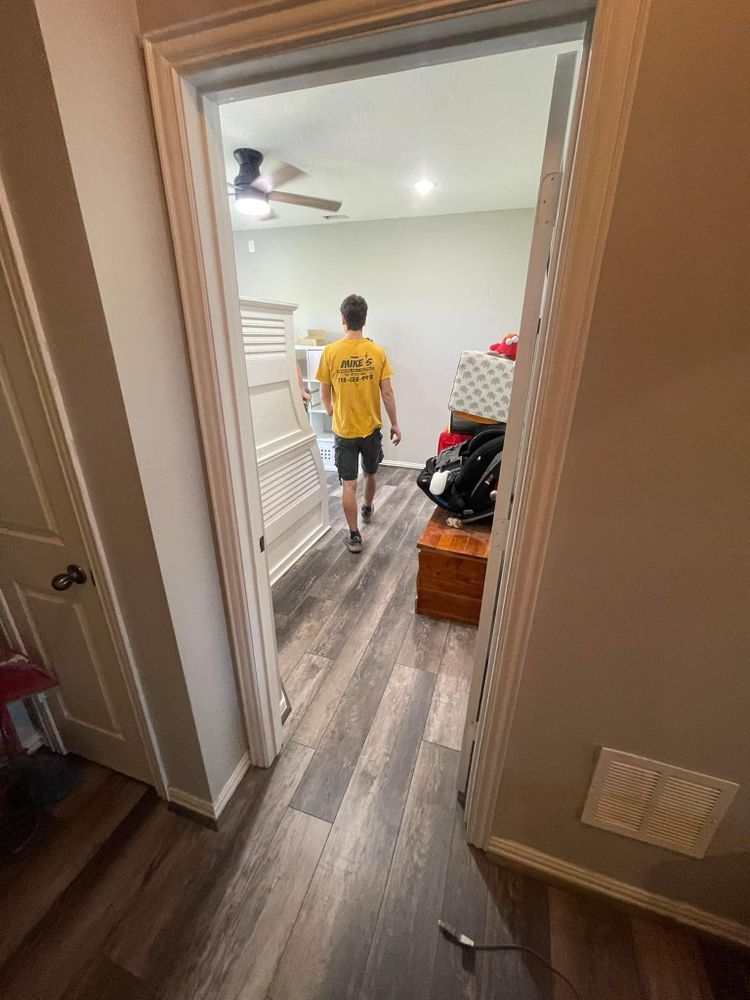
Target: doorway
(421, 189)
(189, 73)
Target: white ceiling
(476, 128)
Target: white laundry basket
(326, 446)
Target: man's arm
(326, 398)
(304, 391)
(389, 401)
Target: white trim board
(204, 807)
(191, 804)
(400, 465)
(230, 786)
(559, 870)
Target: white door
(62, 625)
(293, 491)
(526, 367)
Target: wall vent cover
(657, 803)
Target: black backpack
(471, 472)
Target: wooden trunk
(452, 565)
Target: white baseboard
(191, 803)
(204, 807)
(231, 785)
(402, 465)
(558, 870)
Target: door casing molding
(283, 46)
(614, 58)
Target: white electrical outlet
(251, 246)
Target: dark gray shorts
(348, 450)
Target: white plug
(438, 483)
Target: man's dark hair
(354, 311)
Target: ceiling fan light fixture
(252, 202)
(424, 186)
(253, 193)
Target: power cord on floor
(470, 945)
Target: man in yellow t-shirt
(353, 374)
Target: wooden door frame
(251, 52)
(13, 265)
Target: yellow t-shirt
(354, 369)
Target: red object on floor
(447, 440)
(19, 678)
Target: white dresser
(294, 495)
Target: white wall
(435, 286)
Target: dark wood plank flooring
(331, 869)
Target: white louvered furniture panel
(655, 802)
(263, 335)
(293, 488)
(286, 482)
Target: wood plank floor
(331, 869)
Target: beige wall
(640, 638)
(41, 190)
(86, 193)
(155, 14)
(116, 173)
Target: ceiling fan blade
(283, 174)
(324, 204)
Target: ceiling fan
(253, 192)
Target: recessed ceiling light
(424, 186)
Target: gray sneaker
(353, 541)
(366, 513)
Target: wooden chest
(452, 565)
